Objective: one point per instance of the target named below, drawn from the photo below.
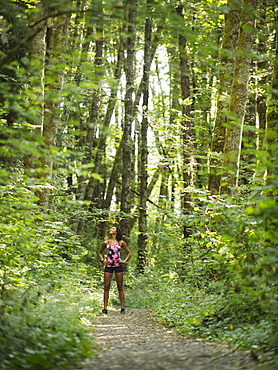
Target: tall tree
(227, 61)
(271, 131)
(85, 184)
(143, 150)
(128, 118)
(55, 38)
(239, 96)
(261, 70)
(186, 125)
(97, 192)
(37, 52)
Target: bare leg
(120, 285)
(107, 284)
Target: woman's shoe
(123, 311)
(105, 311)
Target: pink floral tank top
(113, 255)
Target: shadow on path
(137, 341)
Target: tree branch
(8, 57)
(13, 51)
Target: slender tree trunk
(86, 182)
(227, 61)
(84, 185)
(94, 110)
(163, 195)
(115, 173)
(186, 128)
(128, 119)
(239, 95)
(113, 179)
(150, 188)
(143, 151)
(271, 132)
(93, 192)
(261, 68)
(153, 47)
(37, 50)
(54, 43)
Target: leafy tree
(239, 95)
(227, 61)
(117, 112)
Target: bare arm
(104, 245)
(128, 253)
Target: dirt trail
(137, 341)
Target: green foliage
(221, 282)
(47, 297)
(143, 290)
(215, 315)
(47, 329)
(232, 318)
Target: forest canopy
(160, 117)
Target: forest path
(138, 341)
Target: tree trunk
(128, 119)
(186, 128)
(150, 188)
(239, 95)
(263, 82)
(84, 191)
(143, 150)
(227, 61)
(37, 50)
(271, 146)
(92, 190)
(271, 132)
(54, 41)
(261, 68)
(163, 196)
(153, 47)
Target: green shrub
(47, 330)
(217, 314)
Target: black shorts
(114, 269)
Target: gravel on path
(138, 341)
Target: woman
(114, 263)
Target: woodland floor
(138, 341)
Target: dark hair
(119, 234)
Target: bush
(47, 330)
(215, 314)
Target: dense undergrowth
(49, 327)
(220, 284)
(212, 314)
